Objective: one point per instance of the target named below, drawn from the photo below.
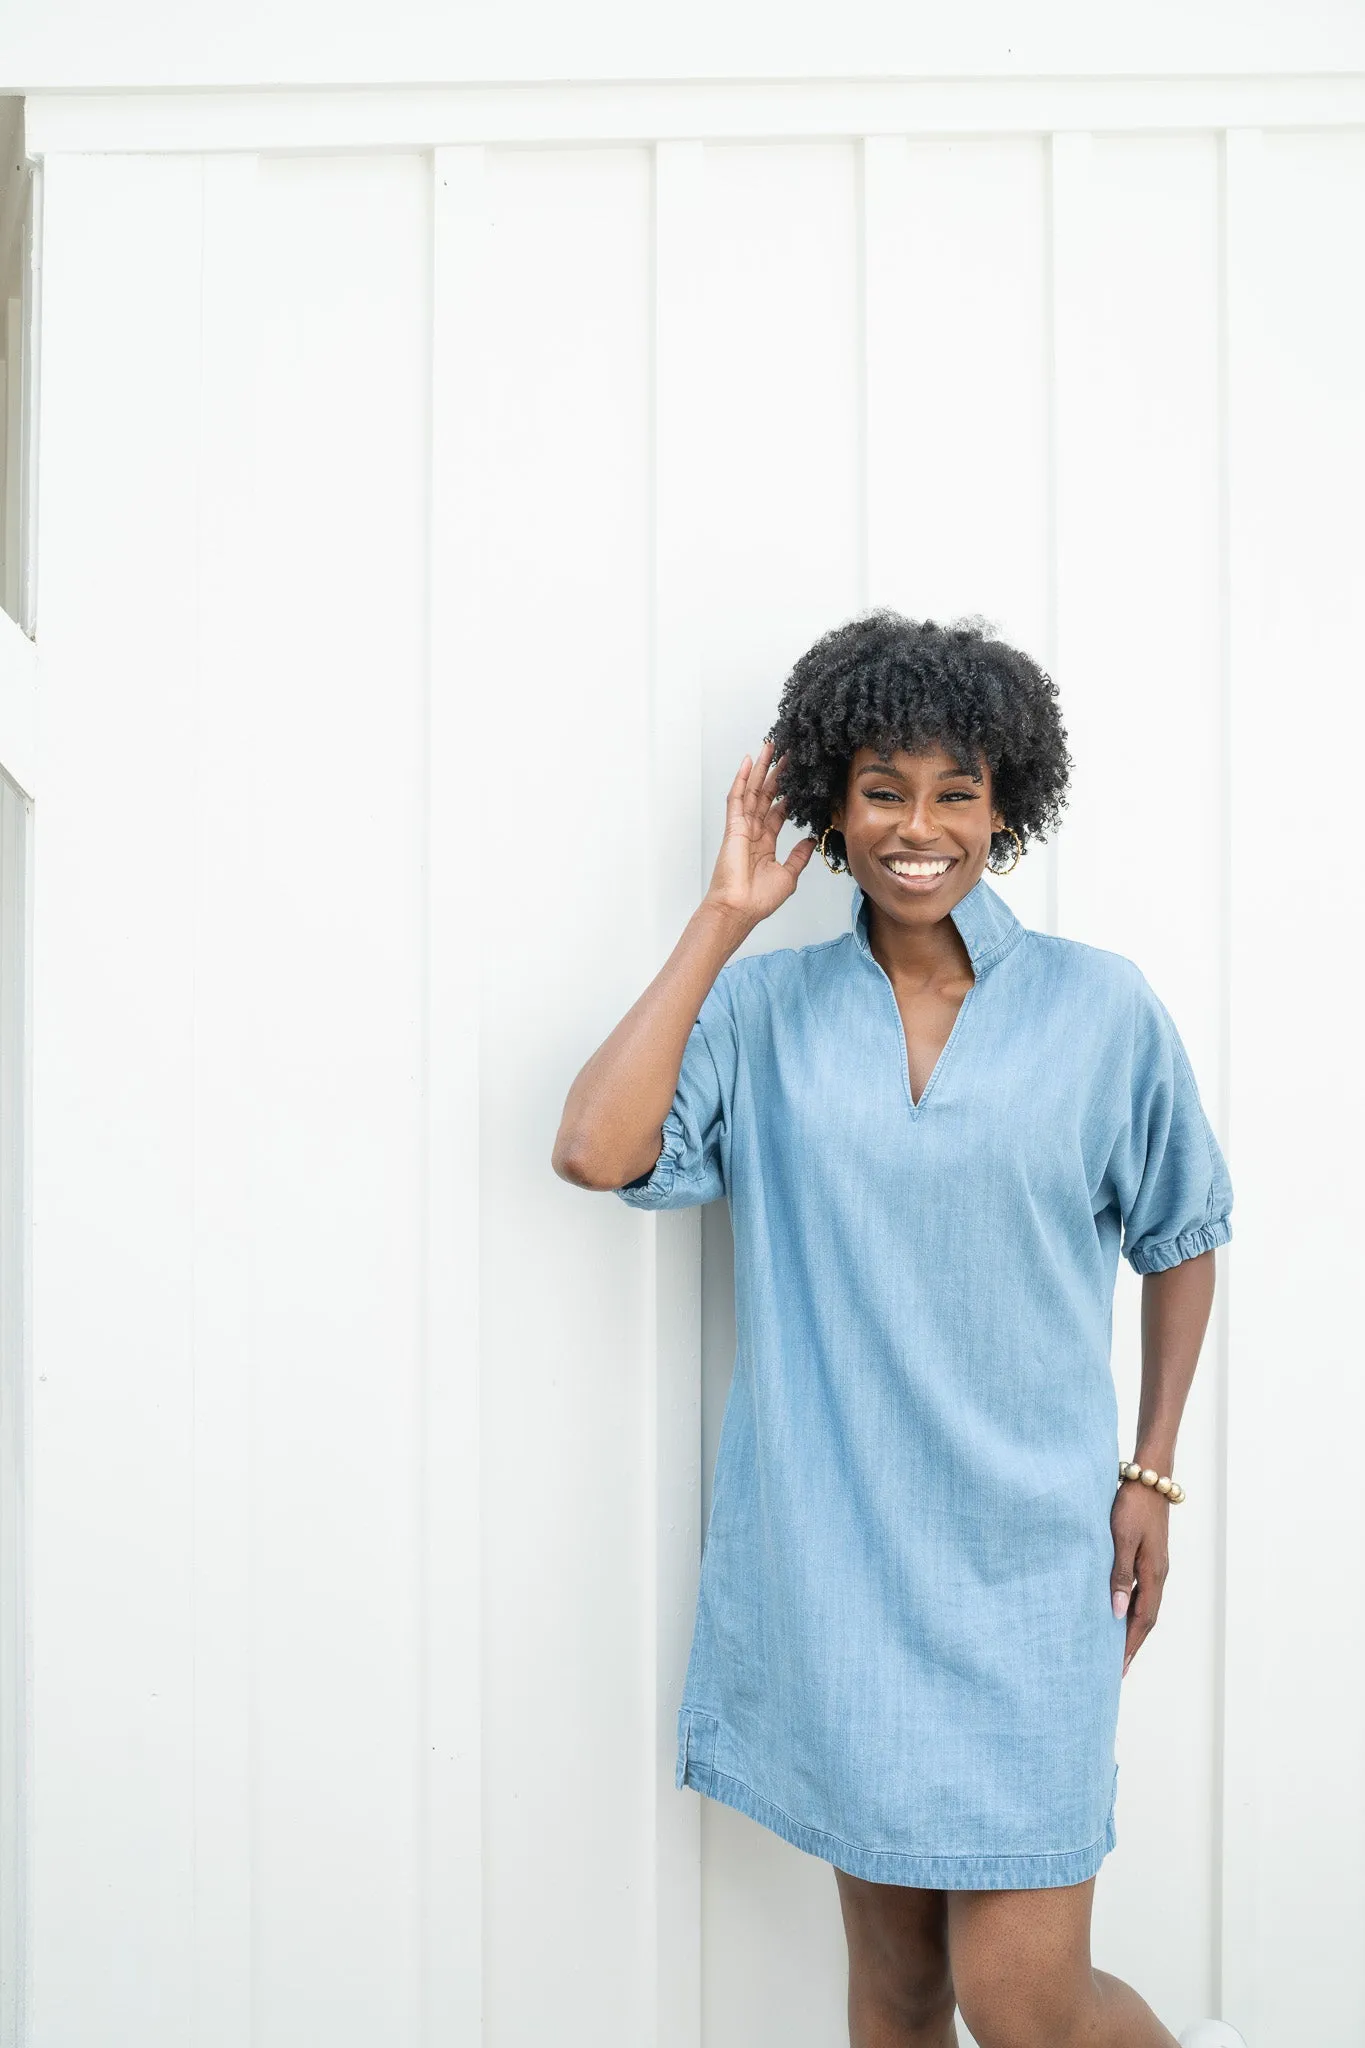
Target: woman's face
(918, 830)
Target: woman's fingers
(1121, 1577)
(767, 792)
(759, 768)
(774, 817)
(734, 795)
(752, 793)
(1151, 1568)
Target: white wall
(65, 44)
(422, 536)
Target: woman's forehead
(933, 757)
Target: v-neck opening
(990, 931)
(941, 1061)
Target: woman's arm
(612, 1127)
(1175, 1315)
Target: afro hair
(889, 682)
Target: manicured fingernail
(1120, 1603)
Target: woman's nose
(918, 824)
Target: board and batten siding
(426, 523)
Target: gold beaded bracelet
(1173, 1493)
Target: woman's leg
(1021, 1965)
(900, 1988)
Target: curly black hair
(888, 682)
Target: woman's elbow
(575, 1160)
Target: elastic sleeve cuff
(656, 1186)
(1159, 1258)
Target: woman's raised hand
(749, 880)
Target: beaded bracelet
(1173, 1493)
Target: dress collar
(988, 927)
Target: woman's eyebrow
(883, 767)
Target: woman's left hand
(1139, 1521)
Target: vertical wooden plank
(566, 941)
(20, 697)
(782, 374)
(1246, 1426)
(673, 1421)
(340, 681)
(452, 1474)
(113, 1039)
(14, 434)
(229, 719)
(30, 395)
(1295, 1773)
(957, 423)
(1140, 869)
(783, 403)
(16, 939)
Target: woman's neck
(918, 955)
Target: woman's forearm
(1175, 1315)
(612, 1125)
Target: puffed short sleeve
(1172, 1183)
(691, 1167)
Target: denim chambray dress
(905, 1657)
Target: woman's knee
(897, 1952)
(1043, 2011)
(1021, 1964)
(915, 1999)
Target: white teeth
(919, 867)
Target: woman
(926, 1569)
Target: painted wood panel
(784, 558)
(1294, 1869)
(423, 537)
(16, 1393)
(337, 844)
(560, 836)
(1141, 868)
(57, 45)
(113, 1158)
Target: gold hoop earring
(1019, 847)
(835, 867)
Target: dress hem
(893, 1866)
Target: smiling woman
(937, 1134)
(881, 686)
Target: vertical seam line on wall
(425, 1732)
(649, 1235)
(31, 387)
(452, 1654)
(863, 395)
(1221, 1331)
(678, 370)
(1051, 597)
(195, 937)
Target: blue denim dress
(905, 1657)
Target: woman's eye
(882, 792)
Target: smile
(909, 869)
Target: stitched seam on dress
(1005, 944)
(1191, 1236)
(935, 1855)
